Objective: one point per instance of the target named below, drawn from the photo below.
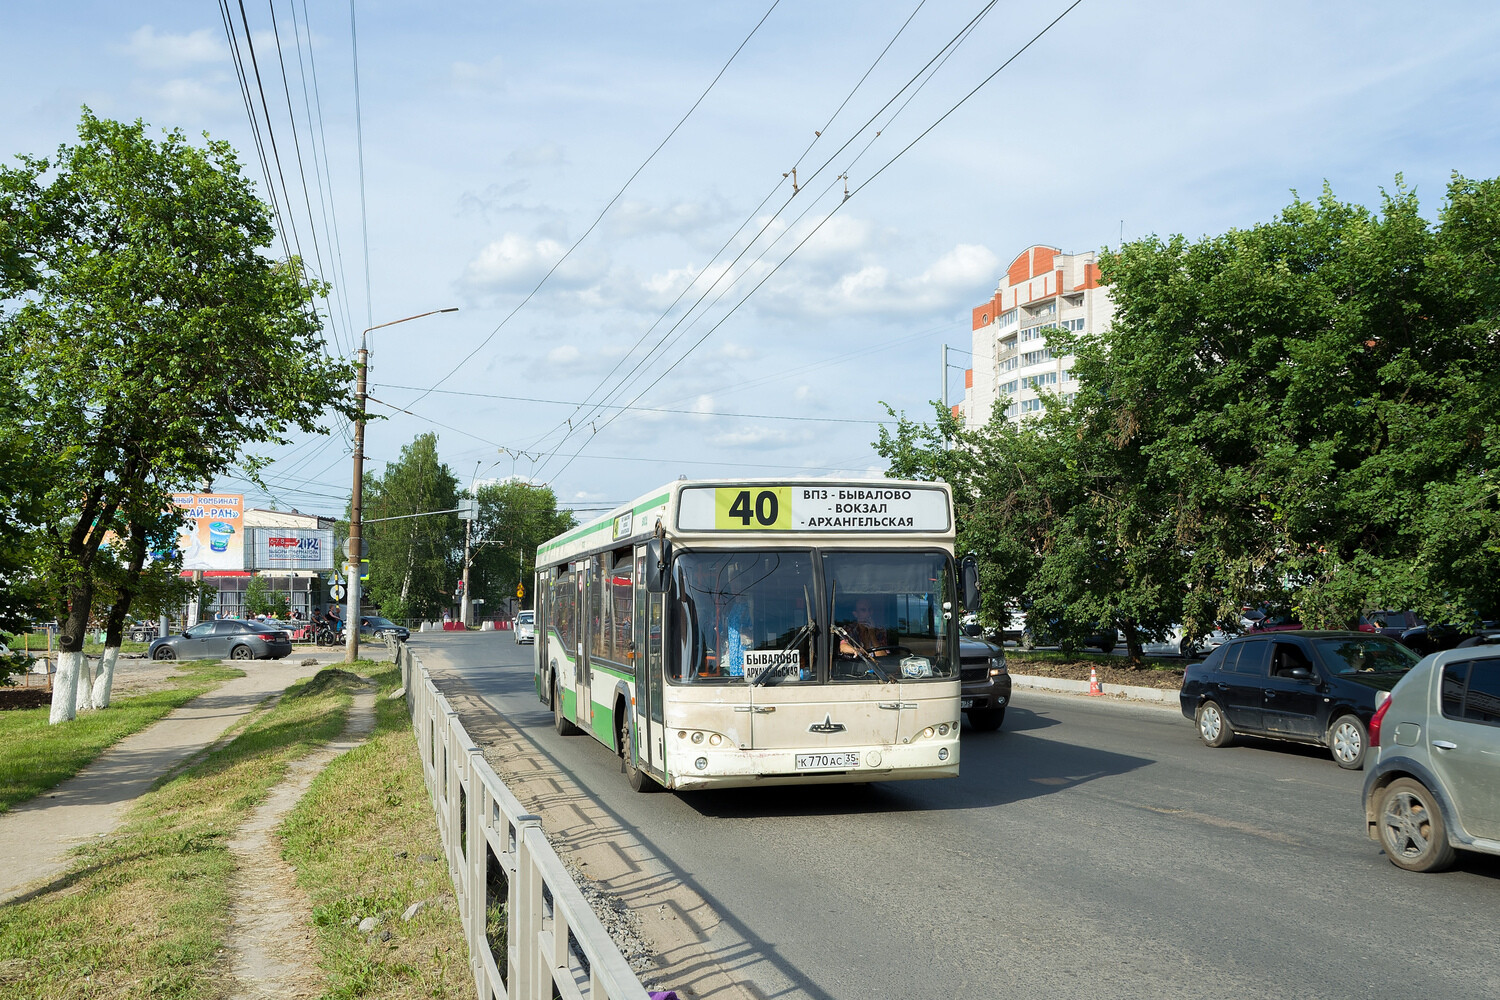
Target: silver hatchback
(1432, 778)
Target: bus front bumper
(698, 766)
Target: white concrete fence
(511, 886)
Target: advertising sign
(212, 535)
(290, 548)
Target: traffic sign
(520, 590)
(364, 547)
(336, 592)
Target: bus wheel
(639, 780)
(559, 721)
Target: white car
(1175, 645)
(525, 626)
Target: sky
(649, 142)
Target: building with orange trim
(1042, 293)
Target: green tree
(1321, 394)
(514, 518)
(414, 561)
(152, 338)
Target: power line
(835, 210)
(608, 205)
(668, 338)
(638, 409)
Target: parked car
(1388, 623)
(1427, 639)
(228, 637)
(1175, 643)
(378, 627)
(138, 630)
(1484, 637)
(1103, 637)
(1434, 761)
(525, 626)
(1259, 620)
(984, 682)
(1309, 687)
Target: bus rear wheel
(559, 721)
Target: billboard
(212, 535)
(289, 548)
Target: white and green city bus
(724, 633)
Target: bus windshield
(892, 614)
(739, 614)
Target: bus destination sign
(813, 507)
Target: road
(1086, 850)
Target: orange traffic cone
(1094, 688)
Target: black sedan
(228, 637)
(378, 627)
(1308, 687)
(985, 683)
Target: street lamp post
(355, 549)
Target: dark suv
(1309, 687)
(985, 682)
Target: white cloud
(548, 154)
(186, 99)
(175, 52)
(639, 218)
(486, 77)
(760, 438)
(516, 263)
(567, 354)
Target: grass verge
(145, 912)
(36, 756)
(357, 840)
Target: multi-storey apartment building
(1043, 292)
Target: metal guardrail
(531, 933)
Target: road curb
(1116, 692)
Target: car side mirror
(1299, 673)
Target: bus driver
(871, 638)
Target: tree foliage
(521, 516)
(414, 561)
(151, 338)
(1306, 412)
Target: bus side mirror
(969, 572)
(658, 561)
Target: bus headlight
(942, 753)
(701, 763)
(715, 740)
(943, 729)
(697, 737)
(927, 733)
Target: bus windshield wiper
(774, 667)
(843, 634)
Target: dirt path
(271, 939)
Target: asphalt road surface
(1086, 850)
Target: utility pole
(355, 547)
(463, 604)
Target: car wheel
(986, 720)
(1028, 641)
(1106, 648)
(241, 653)
(1186, 649)
(559, 721)
(164, 653)
(1213, 725)
(1347, 739)
(1411, 828)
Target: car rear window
(1365, 654)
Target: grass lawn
(35, 756)
(145, 912)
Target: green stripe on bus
(590, 529)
